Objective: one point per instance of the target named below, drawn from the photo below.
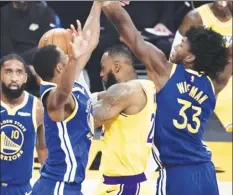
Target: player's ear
(59, 68)
(26, 77)
(117, 66)
(190, 59)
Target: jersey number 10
(185, 124)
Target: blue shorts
(188, 180)
(15, 189)
(45, 186)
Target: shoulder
(126, 88)
(120, 92)
(46, 88)
(38, 106)
(193, 15)
(146, 82)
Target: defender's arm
(61, 95)
(92, 24)
(153, 58)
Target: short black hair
(209, 48)
(45, 60)
(121, 50)
(12, 56)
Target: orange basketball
(59, 37)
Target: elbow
(99, 116)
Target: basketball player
(93, 27)
(21, 120)
(218, 16)
(127, 112)
(68, 114)
(185, 101)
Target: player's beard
(111, 80)
(12, 93)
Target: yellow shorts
(139, 188)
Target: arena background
(217, 139)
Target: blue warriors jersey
(68, 141)
(18, 129)
(184, 106)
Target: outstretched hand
(79, 42)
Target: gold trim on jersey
(74, 111)
(47, 83)
(194, 72)
(34, 113)
(173, 69)
(200, 75)
(12, 111)
(228, 127)
(212, 85)
(216, 20)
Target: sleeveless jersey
(223, 110)
(128, 138)
(68, 141)
(184, 106)
(210, 20)
(18, 130)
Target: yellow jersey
(224, 101)
(210, 20)
(127, 139)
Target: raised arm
(92, 24)
(154, 59)
(40, 138)
(61, 95)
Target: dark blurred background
(16, 37)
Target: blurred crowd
(24, 22)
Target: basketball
(59, 37)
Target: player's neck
(12, 102)
(130, 76)
(55, 80)
(222, 15)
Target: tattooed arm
(126, 97)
